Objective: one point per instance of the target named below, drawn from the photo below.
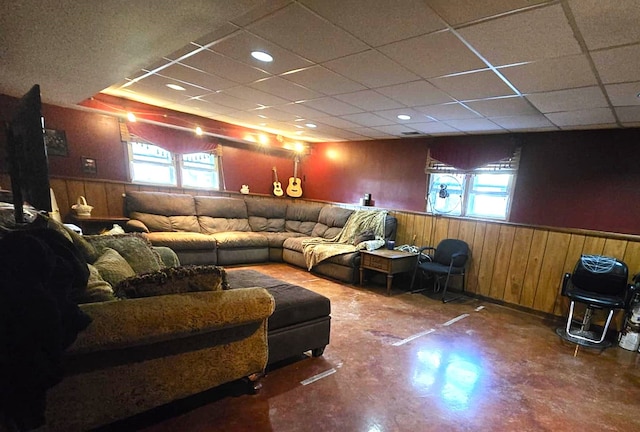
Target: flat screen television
(27, 156)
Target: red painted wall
(392, 171)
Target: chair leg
(583, 336)
(444, 291)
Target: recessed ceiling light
(176, 87)
(131, 117)
(310, 125)
(404, 117)
(262, 56)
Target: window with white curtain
(485, 192)
(151, 164)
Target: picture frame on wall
(89, 165)
(56, 142)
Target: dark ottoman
(301, 320)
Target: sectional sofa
(250, 229)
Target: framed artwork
(89, 165)
(56, 142)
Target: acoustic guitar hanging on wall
(294, 190)
(277, 186)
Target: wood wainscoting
(513, 264)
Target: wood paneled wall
(514, 264)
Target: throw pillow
(134, 248)
(113, 267)
(98, 290)
(174, 280)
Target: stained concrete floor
(407, 362)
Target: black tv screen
(27, 156)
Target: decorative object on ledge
(244, 189)
(81, 208)
(89, 165)
(56, 142)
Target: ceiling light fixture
(311, 125)
(176, 87)
(131, 117)
(262, 56)
(404, 117)
(198, 130)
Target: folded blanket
(318, 249)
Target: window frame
(177, 164)
(508, 166)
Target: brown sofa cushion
(302, 218)
(331, 221)
(266, 214)
(173, 280)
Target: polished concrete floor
(407, 362)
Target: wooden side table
(386, 261)
(93, 225)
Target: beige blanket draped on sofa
(318, 249)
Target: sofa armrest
(148, 320)
(134, 225)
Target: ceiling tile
(265, 8)
(618, 64)
(415, 93)
(216, 64)
(628, 114)
(502, 107)
(524, 122)
(462, 11)
(593, 116)
(217, 34)
(392, 114)
(302, 110)
(433, 55)
(156, 86)
(434, 128)
(624, 94)
(332, 106)
(378, 22)
(366, 119)
(242, 44)
(450, 111)
(204, 106)
(323, 80)
(605, 23)
(195, 77)
(372, 69)
(474, 125)
(369, 100)
(371, 133)
(568, 100)
(285, 89)
(531, 35)
(227, 100)
(338, 122)
(183, 51)
(306, 34)
(255, 96)
(551, 74)
(396, 130)
(475, 85)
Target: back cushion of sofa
(218, 214)
(301, 218)
(161, 211)
(331, 221)
(266, 214)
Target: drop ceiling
(347, 67)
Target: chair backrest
(448, 247)
(601, 275)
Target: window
(151, 164)
(199, 170)
(485, 192)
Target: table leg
(361, 276)
(389, 281)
